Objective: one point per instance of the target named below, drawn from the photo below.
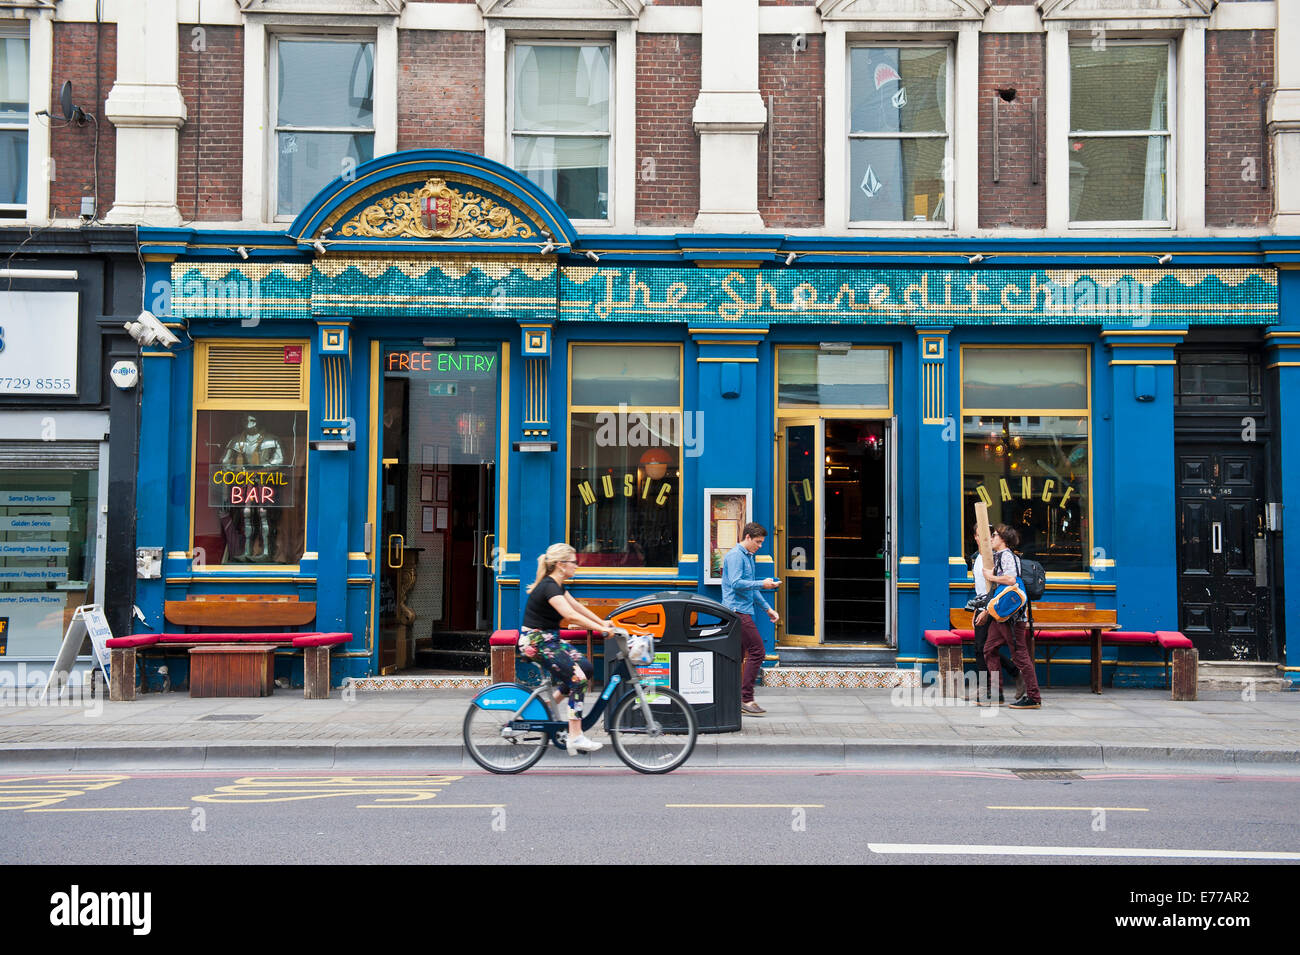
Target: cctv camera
(147, 330)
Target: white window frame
(273, 126)
(949, 178)
(14, 212)
(611, 122)
(1170, 134)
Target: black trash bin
(697, 643)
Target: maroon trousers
(1017, 641)
(751, 647)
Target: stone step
(838, 655)
(1238, 675)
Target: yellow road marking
(743, 805)
(1072, 808)
(441, 805)
(391, 789)
(31, 792)
(120, 809)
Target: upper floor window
(1120, 142)
(323, 114)
(900, 149)
(14, 106)
(560, 123)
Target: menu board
(726, 512)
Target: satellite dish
(70, 113)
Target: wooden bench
(232, 670)
(503, 644)
(1052, 623)
(230, 610)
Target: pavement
(1126, 729)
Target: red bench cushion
(942, 638)
(1128, 636)
(504, 638)
(282, 638)
(136, 640)
(321, 639)
(1172, 640)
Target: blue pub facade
(394, 405)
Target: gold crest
(458, 216)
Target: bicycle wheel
(494, 746)
(660, 743)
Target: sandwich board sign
(87, 619)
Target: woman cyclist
(539, 639)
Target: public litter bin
(697, 653)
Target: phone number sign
(38, 343)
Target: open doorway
(438, 522)
(834, 552)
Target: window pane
(645, 376)
(310, 160)
(574, 170)
(47, 554)
(806, 376)
(1218, 380)
(13, 166)
(624, 500)
(13, 80)
(1117, 179)
(562, 89)
(1032, 472)
(1122, 87)
(1013, 378)
(895, 180)
(326, 83)
(898, 90)
(250, 483)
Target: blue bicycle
(653, 728)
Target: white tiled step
(382, 683)
(840, 677)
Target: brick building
(832, 226)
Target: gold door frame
(780, 551)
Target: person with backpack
(982, 635)
(1010, 631)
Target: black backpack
(1035, 580)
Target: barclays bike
(653, 728)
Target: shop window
(900, 150)
(250, 453)
(13, 125)
(1026, 449)
(322, 113)
(821, 378)
(1120, 140)
(560, 122)
(47, 554)
(626, 439)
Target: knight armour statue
(251, 449)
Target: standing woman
(1010, 633)
(539, 640)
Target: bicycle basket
(640, 649)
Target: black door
(1222, 606)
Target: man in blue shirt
(742, 595)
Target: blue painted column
(1144, 506)
(938, 494)
(334, 450)
(533, 472)
(733, 447)
(1284, 357)
(160, 495)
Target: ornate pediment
(1124, 9)
(903, 10)
(435, 210)
(562, 9)
(383, 8)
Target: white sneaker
(580, 744)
